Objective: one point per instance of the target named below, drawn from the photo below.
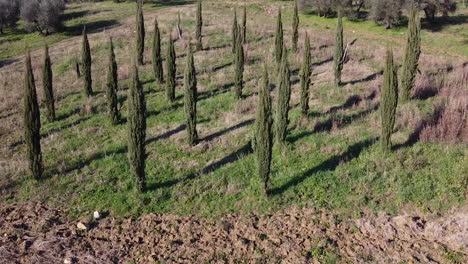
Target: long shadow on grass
(94, 157)
(162, 3)
(166, 135)
(330, 164)
(233, 157)
(351, 102)
(7, 62)
(227, 130)
(365, 79)
(92, 27)
(334, 122)
(53, 131)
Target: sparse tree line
(271, 125)
(385, 12)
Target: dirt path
(35, 233)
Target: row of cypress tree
(263, 138)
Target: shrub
(387, 13)
(413, 50)
(9, 13)
(339, 50)
(190, 99)
(283, 97)
(198, 33)
(388, 101)
(263, 140)
(239, 64)
(137, 130)
(86, 64)
(170, 70)
(305, 77)
(140, 29)
(47, 85)
(157, 58)
(279, 39)
(234, 32)
(112, 86)
(295, 28)
(32, 122)
(43, 16)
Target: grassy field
(332, 160)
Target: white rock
(67, 261)
(81, 226)
(96, 215)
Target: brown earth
(35, 233)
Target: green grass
(339, 169)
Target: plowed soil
(35, 233)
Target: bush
(9, 13)
(386, 13)
(43, 16)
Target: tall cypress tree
(86, 65)
(112, 86)
(388, 101)
(47, 85)
(157, 58)
(413, 50)
(284, 96)
(140, 29)
(295, 27)
(305, 77)
(198, 33)
(338, 57)
(279, 38)
(32, 122)
(137, 130)
(170, 70)
(263, 132)
(190, 99)
(239, 63)
(244, 25)
(234, 32)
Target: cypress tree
(190, 99)
(244, 25)
(170, 70)
(198, 33)
(32, 122)
(112, 86)
(263, 132)
(47, 85)
(239, 62)
(234, 32)
(284, 96)
(338, 57)
(86, 64)
(140, 29)
(388, 101)
(413, 50)
(137, 130)
(157, 58)
(279, 39)
(295, 27)
(305, 78)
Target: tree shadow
(227, 130)
(158, 185)
(92, 27)
(8, 115)
(7, 62)
(67, 115)
(79, 14)
(333, 122)
(319, 63)
(168, 3)
(330, 164)
(415, 136)
(53, 131)
(96, 156)
(166, 135)
(216, 47)
(233, 157)
(441, 23)
(220, 67)
(365, 79)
